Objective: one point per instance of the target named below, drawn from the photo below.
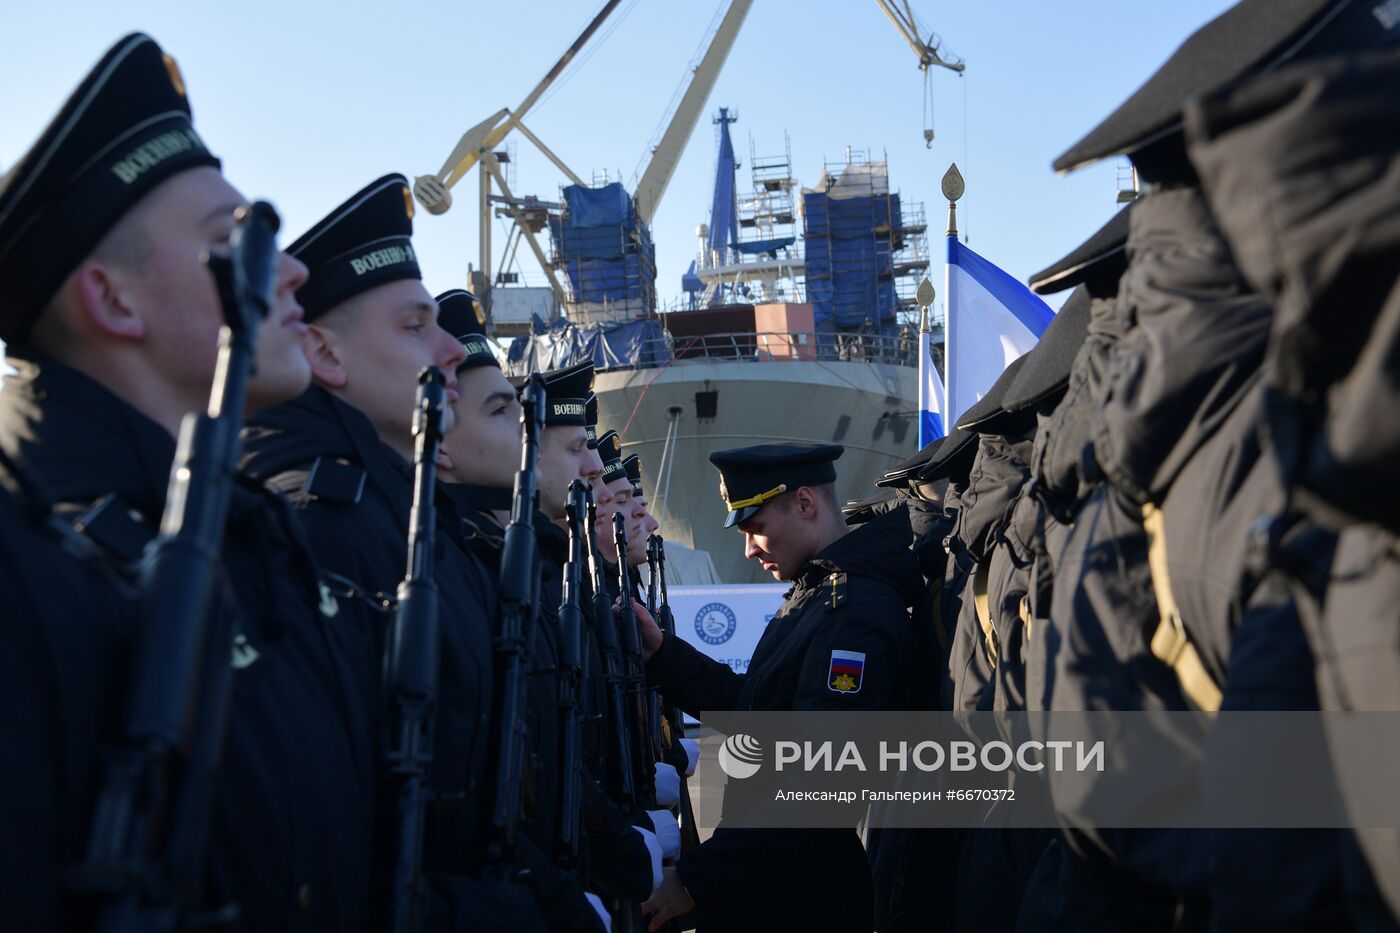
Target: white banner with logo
(725, 622)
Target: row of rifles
(148, 843)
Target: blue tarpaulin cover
(608, 205)
(608, 346)
(754, 247)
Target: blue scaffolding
(605, 249)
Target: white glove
(668, 785)
(692, 754)
(668, 832)
(654, 848)
(596, 903)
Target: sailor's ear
(321, 348)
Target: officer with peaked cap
(342, 452)
(484, 449)
(112, 323)
(841, 641)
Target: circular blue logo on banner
(715, 623)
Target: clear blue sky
(308, 101)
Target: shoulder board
(114, 526)
(335, 481)
(837, 584)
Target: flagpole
(924, 296)
(953, 189)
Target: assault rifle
(412, 670)
(519, 611)
(639, 724)
(623, 788)
(148, 842)
(675, 718)
(571, 629)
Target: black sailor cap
(610, 452)
(126, 129)
(633, 465)
(1251, 37)
(568, 391)
(459, 313)
(1047, 365)
(590, 421)
(752, 476)
(364, 243)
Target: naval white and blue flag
(930, 395)
(992, 319)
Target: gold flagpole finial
(924, 297)
(953, 188)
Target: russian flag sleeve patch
(847, 671)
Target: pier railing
(901, 350)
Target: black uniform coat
(994, 482)
(293, 808)
(317, 450)
(1299, 166)
(615, 858)
(1061, 443)
(56, 704)
(752, 879)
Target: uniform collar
(80, 438)
(878, 549)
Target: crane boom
(903, 20)
(432, 191)
(668, 151)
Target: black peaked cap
(1047, 365)
(860, 511)
(952, 458)
(590, 421)
(1250, 37)
(901, 473)
(459, 313)
(989, 405)
(750, 477)
(1098, 262)
(633, 465)
(364, 243)
(126, 129)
